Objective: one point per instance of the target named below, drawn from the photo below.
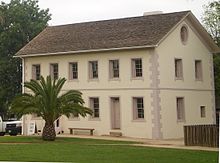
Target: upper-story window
(73, 68)
(54, 73)
(94, 105)
(36, 72)
(138, 108)
(178, 69)
(198, 69)
(136, 67)
(114, 69)
(93, 69)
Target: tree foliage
(211, 21)
(47, 102)
(20, 21)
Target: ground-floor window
(180, 109)
(138, 108)
(94, 105)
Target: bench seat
(89, 129)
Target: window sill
(138, 120)
(114, 79)
(93, 80)
(199, 80)
(73, 80)
(179, 78)
(137, 78)
(181, 121)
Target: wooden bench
(90, 129)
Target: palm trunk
(49, 133)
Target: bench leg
(91, 132)
(71, 131)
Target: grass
(90, 150)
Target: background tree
(47, 103)
(20, 21)
(211, 21)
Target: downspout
(23, 78)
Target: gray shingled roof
(116, 33)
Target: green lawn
(90, 150)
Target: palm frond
(47, 102)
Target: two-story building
(143, 77)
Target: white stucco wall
(125, 88)
(159, 92)
(195, 93)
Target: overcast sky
(73, 11)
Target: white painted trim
(144, 88)
(23, 90)
(85, 51)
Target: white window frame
(198, 70)
(134, 68)
(92, 71)
(71, 71)
(91, 105)
(180, 109)
(52, 73)
(35, 74)
(178, 68)
(113, 69)
(202, 111)
(136, 109)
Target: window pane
(180, 109)
(137, 67)
(94, 105)
(54, 71)
(202, 111)
(93, 69)
(114, 68)
(178, 68)
(36, 72)
(198, 69)
(74, 70)
(138, 109)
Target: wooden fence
(201, 135)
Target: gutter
(85, 51)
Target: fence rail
(201, 135)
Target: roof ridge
(117, 19)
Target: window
(138, 108)
(202, 111)
(198, 69)
(184, 34)
(180, 109)
(178, 69)
(114, 69)
(54, 71)
(36, 72)
(93, 69)
(94, 105)
(136, 67)
(73, 70)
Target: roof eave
(84, 51)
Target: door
(115, 113)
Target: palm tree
(46, 102)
